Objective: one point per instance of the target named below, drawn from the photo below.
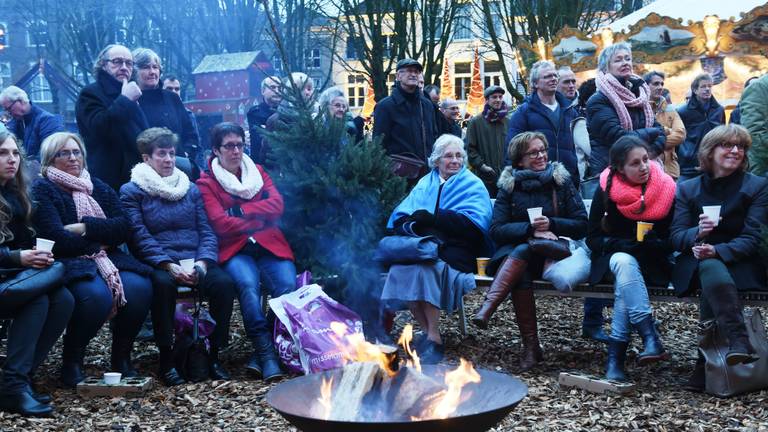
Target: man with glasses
(109, 117)
(406, 119)
(547, 111)
(259, 114)
(30, 123)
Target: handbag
(191, 349)
(407, 165)
(554, 249)
(723, 380)
(20, 285)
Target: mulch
(239, 405)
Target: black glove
(621, 245)
(423, 218)
(652, 243)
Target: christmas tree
(338, 196)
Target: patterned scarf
(493, 115)
(658, 197)
(249, 184)
(81, 189)
(622, 97)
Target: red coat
(261, 215)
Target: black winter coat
(744, 211)
(402, 118)
(510, 225)
(698, 121)
(257, 120)
(56, 208)
(654, 254)
(109, 124)
(605, 128)
(163, 108)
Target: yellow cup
(482, 264)
(642, 229)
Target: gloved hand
(423, 218)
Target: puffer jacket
(605, 128)
(510, 225)
(698, 121)
(168, 231)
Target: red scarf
(659, 194)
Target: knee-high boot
(725, 303)
(525, 315)
(509, 274)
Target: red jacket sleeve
(268, 209)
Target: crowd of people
(132, 195)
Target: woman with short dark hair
(721, 256)
(169, 224)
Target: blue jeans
(93, 302)
(279, 276)
(631, 304)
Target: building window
(312, 58)
(5, 74)
(37, 34)
(491, 73)
(462, 77)
(496, 19)
(356, 90)
(277, 63)
(351, 52)
(463, 23)
(3, 36)
(40, 90)
(389, 45)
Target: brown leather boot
(508, 275)
(525, 315)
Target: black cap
(407, 62)
(493, 89)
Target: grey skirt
(434, 282)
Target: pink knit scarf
(659, 194)
(82, 188)
(622, 97)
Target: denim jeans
(37, 324)
(279, 277)
(631, 304)
(93, 302)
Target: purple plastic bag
(182, 320)
(286, 348)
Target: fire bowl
(484, 404)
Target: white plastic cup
(112, 378)
(44, 244)
(533, 213)
(712, 213)
(187, 265)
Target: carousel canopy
(693, 10)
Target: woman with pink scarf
(633, 191)
(84, 217)
(619, 107)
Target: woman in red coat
(244, 209)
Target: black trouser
(37, 324)
(713, 274)
(216, 285)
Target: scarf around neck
(659, 194)
(249, 183)
(81, 189)
(621, 97)
(173, 188)
(533, 180)
(492, 115)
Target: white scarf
(173, 188)
(250, 183)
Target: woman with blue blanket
(451, 204)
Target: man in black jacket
(700, 115)
(259, 113)
(406, 119)
(109, 117)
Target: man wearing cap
(406, 119)
(30, 123)
(549, 112)
(486, 145)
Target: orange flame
(405, 341)
(356, 349)
(325, 397)
(456, 380)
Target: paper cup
(187, 265)
(533, 213)
(642, 229)
(112, 378)
(44, 245)
(712, 213)
(587, 205)
(482, 264)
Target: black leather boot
(267, 358)
(653, 350)
(22, 402)
(121, 357)
(168, 373)
(725, 303)
(72, 366)
(617, 356)
(215, 369)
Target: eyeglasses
(66, 154)
(338, 105)
(728, 146)
(121, 61)
(449, 156)
(536, 153)
(549, 76)
(232, 146)
(9, 107)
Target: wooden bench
(658, 294)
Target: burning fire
(355, 348)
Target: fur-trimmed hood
(507, 179)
